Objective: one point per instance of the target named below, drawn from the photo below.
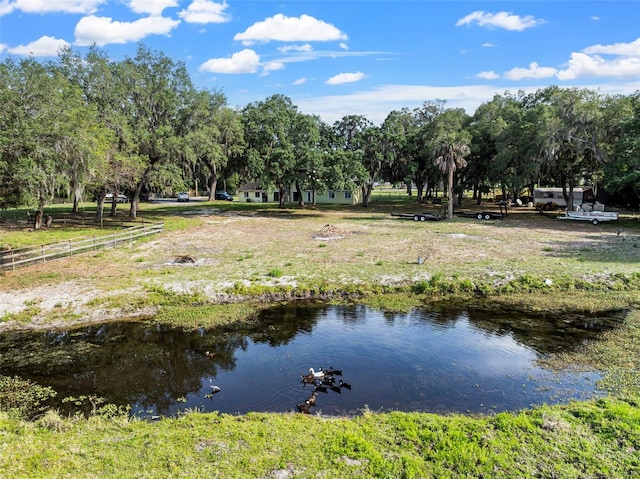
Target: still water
(430, 361)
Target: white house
(253, 192)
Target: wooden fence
(11, 259)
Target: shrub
(22, 396)
(275, 273)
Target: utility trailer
(419, 216)
(487, 215)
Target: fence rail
(11, 259)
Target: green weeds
(275, 273)
(23, 397)
(23, 316)
(588, 439)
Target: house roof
(251, 186)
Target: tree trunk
(114, 205)
(366, 193)
(420, 188)
(299, 191)
(570, 197)
(213, 184)
(450, 195)
(37, 221)
(420, 197)
(77, 194)
(213, 180)
(135, 200)
(100, 207)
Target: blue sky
(340, 57)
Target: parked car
(183, 196)
(119, 199)
(223, 195)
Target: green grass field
(246, 255)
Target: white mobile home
(553, 197)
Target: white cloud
(299, 81)
(272, 67)
(43, 47)
(582, 65)
(151, 7)
(6, 7)
(625, 64)
(49, 6)
(103, 30)
(205, 11)
(534, 71)
(344, 46)
(375, 104)
(488, 75)
(245, 61)
(499, 20)
(489, 45)
(290, 29)
(3, 47)
(345, 78)
(296, 48)
(629, 49)
(297, 56)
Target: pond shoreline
(43, 319)
(44, 315)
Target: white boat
(594, 217)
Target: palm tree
(449, 157)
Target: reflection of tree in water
(542, 333)
(280, 325)
(123, 362)
(143, 363)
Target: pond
(425, 360)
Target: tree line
(85, 126)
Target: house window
(276, 196)
(331, 194)
(309, 198)
(246, 194)
(347, 195)
(295, 196)
(257, 194)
